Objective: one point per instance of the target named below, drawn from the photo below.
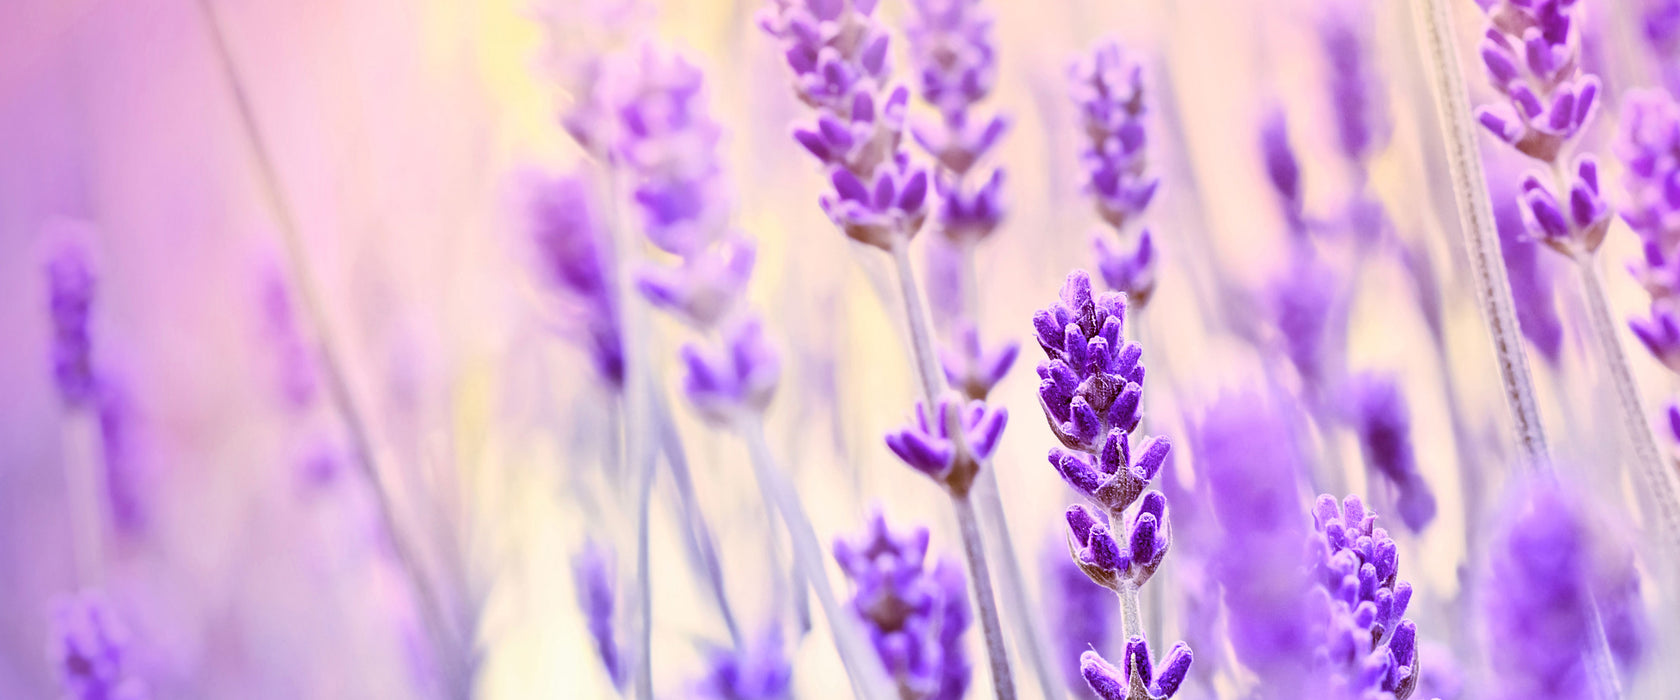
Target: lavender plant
(1108, 90)
(1370, 649)
(90, 648)
(1648, 144)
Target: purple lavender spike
(917, 612)
(90, 649)
(70, 289)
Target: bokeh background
(252, 561)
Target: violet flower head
(1138, 680)
(1649, 145)
(706, 286)
(668, 142)
(758, 670)
(1355, 89)
(1079, 612)
(974, 369)
(1383, 421)
(736, 378)
(968, 215)
(299, 384)
(1531, 52)
(916, 614)
(1130, 557)
(1571, 228)
(950, 443)
(570, 242)
(1108, 90)
(955, 63)
(70, 288)
(593, 574)
(1531, 284)
(1114, 477)
(1092, 382)
(1129, 269)
(1369, 649)
(90, 649)
(1283, 170)
(1547, 569)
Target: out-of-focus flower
(758, 670)
(1578, 227)
(736, 378)
(1531, 285)
(125, 483)
(1370, 649)
(1129, 269)
(1303, 299)
(916, 614)
(70, 288)
(1547, 568)
(1649, 144)
(668, 142)
(956, 66)
(706, 287)
(1355, 89)
(90, 649)
(968, 216)
(950, 444)
(1137, 681)
(570, 243)
(1283, 171)
(1092, 382)
(973, 369)
(1108, 89)
(299, 383)
(892, 203)
(1383, 421)
(593, 574)
(1078, 612)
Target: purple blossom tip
(916, 614)
(1108, 90)
(1128, 269)
(570, 243)
(736, 379)
(1137, 681)
(974, 369)
(950, 447)
(757, 670)
(70, 290)
(1382, 418)
(89, 647)
(707, 285)
(592, 573)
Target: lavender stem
(82, 488)
(431, 607)
(1656, 479)
(1002, 678)
(1013, 582)
(672, 445)
(915, 316)
(869, 679)
(1131, 621)
(1475, 215)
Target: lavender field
(875, 349)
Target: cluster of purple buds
(956, 66)
(837, 51)
(1532, 56)
(1138, 681)
(90, 648)
(1383, 421)
(1108, 89)
(1092, 383)
(757, 670)
(1370, 649)
(1649, 145)
(1115, 559)
(951, 443)
(735, 379)
(916, 614)
(70, 286)
(594, 576)
(973, 369)
(570, 242)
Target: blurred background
(244, 545)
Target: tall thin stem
(869, 679)
(705, 545)
(1131, 621)
(1013, 582)
(1002, 678)
(432, 607)
(1654, 476)
(921, 336)
(1475, 215)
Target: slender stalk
(701, 532)
(1013, 582)
(869, 679)
(432, 607)
(1131, 621)
(1475, 214)
(83, 486)
(915, 316)
(645, 473)
(1655, 478)
(1002, 678)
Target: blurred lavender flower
(1283, 171)
(668, 143)
(1383, 421)
(1531, 283)
(973, 369)
(706, 287)
(593, 574)
(1092, 382)
(1370, 649)
(1547, 568)
(1660, 22)
(1355, 89)
(90, 648)
(1137, 681)
(124, 482)
(1303, 300)
(1108, 90)
(916, 615)
(1532, 55)
(570, 242)
(838, 54)
(950, 448)
(70, 288)
(736, 378)
(299, 385)
(1648, 143)
(1079, 612)
(758, 670)
(1246, 449)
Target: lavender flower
(570, 241)
(1092, 382)
(758, 670)
(70, 288)
(973, 369)
(1078, 610)
(1283, 171)
(1547, 569)
(668, 142)
(124, 485)
(1137, 681)
(1108, 89)
(1130, 557)
(593, 574)
(1532, 56)
(1531, 284)
(916, 614)
(950, 444)
(1354, 86)
(1648, 143)
(1369, 649)
(706, 287)
(1383, 421)
(838, 54)
(90, 648)
(735, 379)
(956, 66)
